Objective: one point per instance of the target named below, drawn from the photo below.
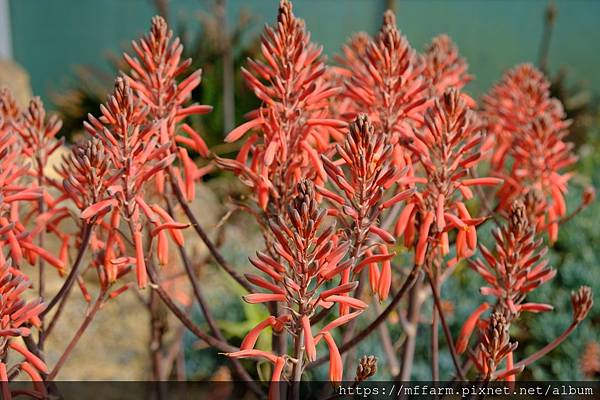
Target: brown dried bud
(582, 301)
(367, 367)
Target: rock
(14, 77)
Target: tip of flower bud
(589, 195)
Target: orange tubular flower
(521, 97)
(155, 79)
(16, 189)
(517, 268)
(353, 54)
(38, 138)
(360, 176)
(529, 127)
(540, 156)
(135, 154)
(495, 346)
(311, 258)
(8, 109)
(445, 68)
(389, 86)
(447, 148)
(294, 121)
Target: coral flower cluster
(529, 128)
(447, 148)
(312, 259)
(293, 123)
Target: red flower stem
(435, 348)
(157, 330)
(66, 287)
(41, 264)
(415, 302)
(82, 328)
(543, 351)
(170, 303)
(198, 293)
(188, 323)
(408, 283)
(56, 316)
(298, 367)
(209, 244)
(447, 333)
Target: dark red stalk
(204, 237)
(66, 287)
(447, 333)
(90, 314)
(188, 323)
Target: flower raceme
(154, 77)
(343, 105)
(447, 148)
(529, 126)
(517, 268)
(88, 173)
(540, 156)
(360, 177)
(16, 189)
(132, 145)
(311, 259)
(390, 86)
(495, 347)
(8, 109)
(37, 134)
(293, 121)
(521, 97)
(445, 68)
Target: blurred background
(68, 52)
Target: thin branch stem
(203, 303)
(198, 294)
(166, 298)
(41, 263)
(56, 315)
(415, 302)
(543, 351)
(188, 323)
(447, 333)
(298, 367)
(66, 287)
(203, 236)
(82, 328)
(435, 348)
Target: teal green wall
(51, 36)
